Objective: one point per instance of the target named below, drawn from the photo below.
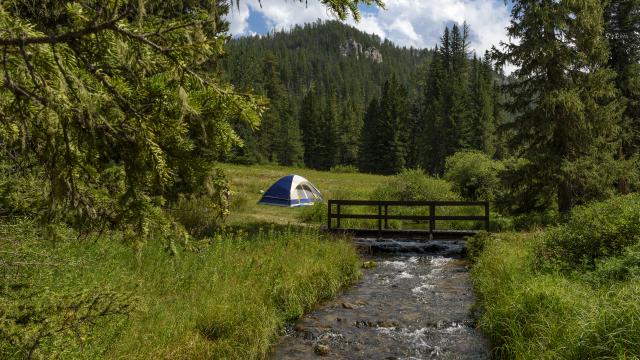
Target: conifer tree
(369, 145)
(623, 33)
(455, 104)
(383, 138)
(349, 128)
(310, 124)
(563, 95)
(393, 114)
(328, 151)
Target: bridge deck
(406, 233)
(383, 216)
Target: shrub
(415, 185)
(619, 268)
(474, 175)
(344, 169)
(595, 231)
(204, 211)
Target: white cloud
(239, 19)
(417, 23)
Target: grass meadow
(569, 292)
(225, 296)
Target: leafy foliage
(415, 185)
(97, 90)
(474, 174)
(594, 232)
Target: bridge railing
(383, 216)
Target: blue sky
(417, 23)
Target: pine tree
(567, 114)
(481, 106)
(310, 124)
(393, 114)
(279, 135)
(383, 146)
(369, 145)
(622, 30)
(350, 126)
(328, 151)
(453, 110)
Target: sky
(417, 23)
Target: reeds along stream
(407, 306)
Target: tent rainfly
(291, 191)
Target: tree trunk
(565, 196)
(623, 183)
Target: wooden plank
(408, 217)
(329, 215)
(408, 203)
(431, 218)
(487, 222)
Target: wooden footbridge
(422, 213)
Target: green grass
(531, 311)
(227, 298)
(247, 181)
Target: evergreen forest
(331, 87)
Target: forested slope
(338, 67)
(327, 81)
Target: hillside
(330, 56)
(337, 67)
(338, 96)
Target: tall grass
(531, 311)
(225, 299)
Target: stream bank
(410, 305)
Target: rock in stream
(409, 306)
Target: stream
(415, 303)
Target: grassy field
(247, 181)
(569, 292)
(222, 297)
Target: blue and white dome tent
(291, 191)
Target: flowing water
(414, 305)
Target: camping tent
(291, 190)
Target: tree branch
(65, 37)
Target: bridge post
(386, 213)
(379, 221)
(432, 220)
(486, 216)
(329, 203)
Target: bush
(203, 211)
(595, 231)
(474, 175)
(476, 244)
(344, 169)
(619, 268)
(415, 185)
